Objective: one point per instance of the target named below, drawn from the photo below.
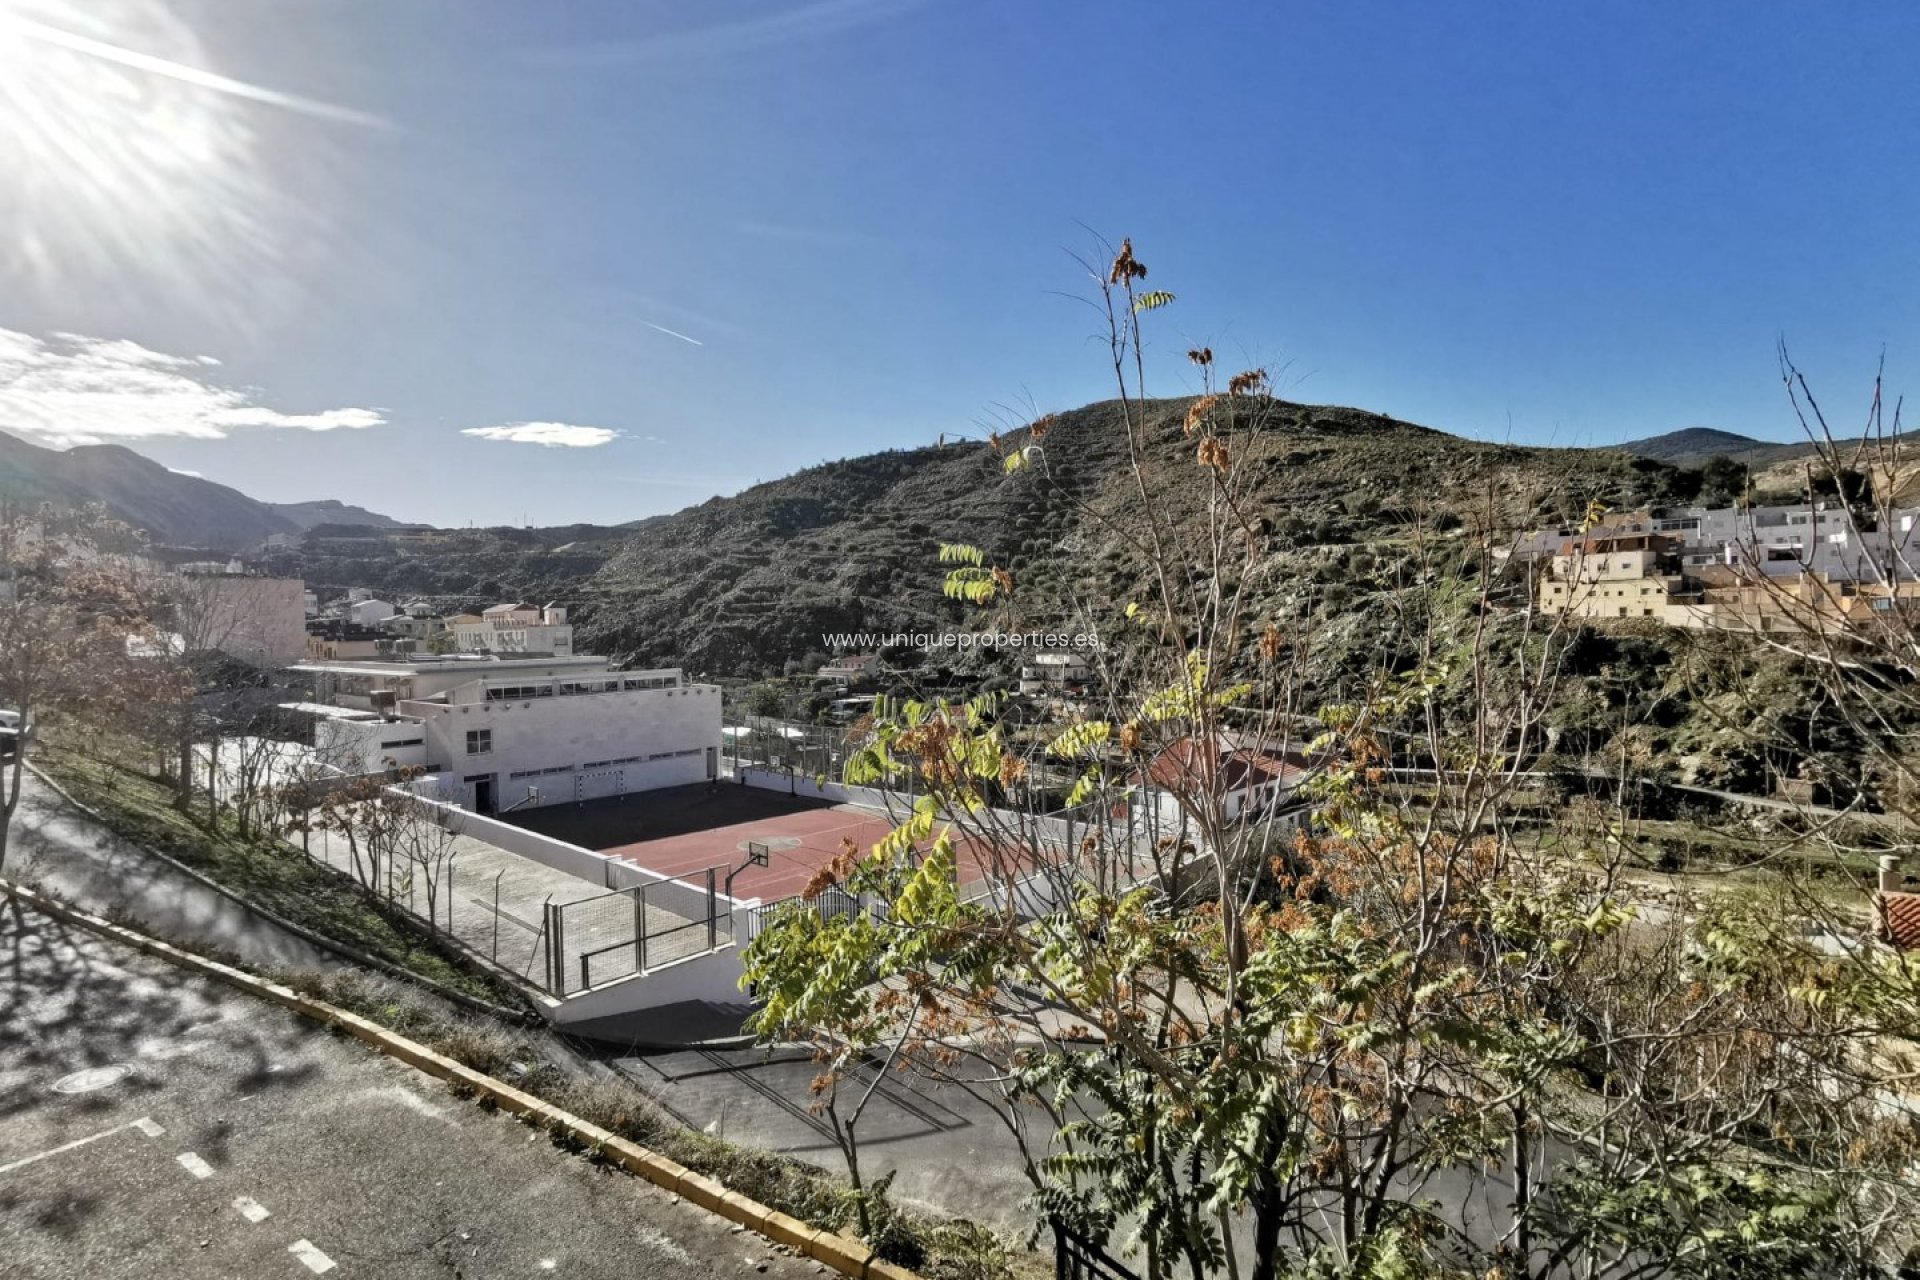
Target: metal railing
(1076, 1257)
(613, 935)
(832, 903)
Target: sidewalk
(54, 844)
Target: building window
(479, 742)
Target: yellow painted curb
(844, 1254)
(703, 1191)
(848, 1256)
(790, 1231)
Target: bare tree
(1232, 1037)
(70, 607)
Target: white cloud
(67, 388)
(553, 435)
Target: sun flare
(128, 162)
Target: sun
(118, 167)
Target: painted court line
(250, 1209)
(194, 1165)
(314, 1260)
(143, 1124)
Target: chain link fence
(597, 940)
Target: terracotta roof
(1183, 762)
(1899, 923)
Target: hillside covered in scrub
(743, 584)
(1358, 513)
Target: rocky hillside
(744, 585)
(741, 585)
(178, 510)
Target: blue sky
(407, 221)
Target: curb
(345, 952)
(844, 1254)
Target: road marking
(252, 1210)
(194, 1165)
(143, 1124)
(316, 1261)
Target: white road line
(250, 1209)
(143, 1124)
(316, 1261)
(194, 1165)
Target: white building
(519, 733)
(513, 628)
(1249, 778)
(1052, 673)
(368, 612)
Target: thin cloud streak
(672, 333)
(773, 30)
(191, 75)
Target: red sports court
(682, 831)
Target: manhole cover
(90, 1079)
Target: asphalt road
(153, 1124)
(945, 1148)
(58, 846)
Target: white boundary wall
(712, 976)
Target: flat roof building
(508, 733)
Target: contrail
(190, 75)
(672, 333)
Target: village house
(259, 620)
(1253, 780)
(1756, 569)
(849, 669)
(1896, 909)
(513, 628)
(1055, 674)
(337, 639)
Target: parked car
(14, 734)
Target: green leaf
(1151, 301)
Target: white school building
(504, 733)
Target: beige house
(334, 640)
(262, 621)
(1618, 575)
(513, 628)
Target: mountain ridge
(175, 508)
(1692, 446)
